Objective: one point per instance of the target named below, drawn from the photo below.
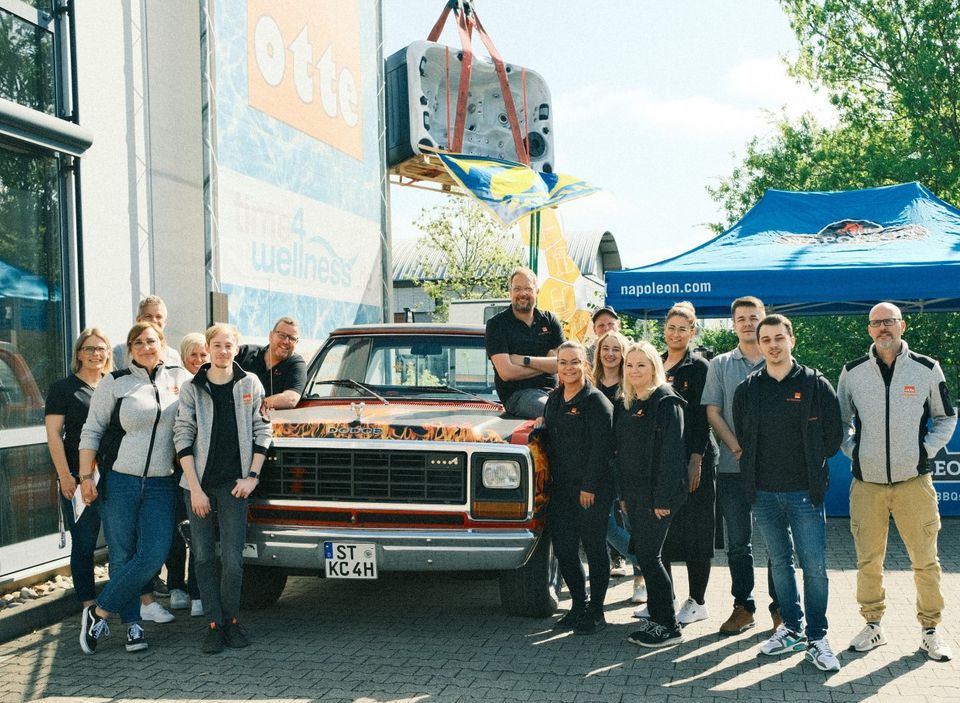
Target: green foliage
(467, 254)
(892, 70)
(827, 342)
(719, 341)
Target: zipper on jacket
(886, 424)
(156, 421)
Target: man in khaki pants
(886, 399)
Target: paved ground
(432, 638)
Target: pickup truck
(399, 457)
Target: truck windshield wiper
(350, 383)
(453, 389)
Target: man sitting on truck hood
(282, 372)
(522, 344)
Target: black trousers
(570, 526)
(649, 534)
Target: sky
(652, 102)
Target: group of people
(645, 447)
(153, 437)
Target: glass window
(31, 286)
(28, 494)
(27, 67)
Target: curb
(37, 614)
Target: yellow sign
(303, 68)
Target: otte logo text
(303, 68)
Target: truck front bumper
(301, 548)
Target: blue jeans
(788, 520)
(138, 523)
(220, 583)
(738, 519)
(83, 545)
(527, 402)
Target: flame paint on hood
(436, 422)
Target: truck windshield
(417, 366)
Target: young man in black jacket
(788, 423)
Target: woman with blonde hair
(692, 534)
(607, 376)
(68, 403)
(651, 464)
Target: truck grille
(366, 476)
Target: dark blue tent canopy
(813, 253)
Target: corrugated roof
(586, 248)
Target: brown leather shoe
(739, 621)
(777, 619)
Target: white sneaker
(156, 613)
(821, 656)
(936, 648)
(784, 640)
(639, 590)
(871, 636)
(196, 608)
(618, 567)
(644, 610)
(691, 611)
(179, 599)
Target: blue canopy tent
(820, 253)
(813, 253)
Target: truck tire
(262, 586)
(533, 590)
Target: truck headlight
(501, 473)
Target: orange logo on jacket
(248, 398)
(795, 398)
(909, 390)
(573, 411)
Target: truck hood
(437, 422)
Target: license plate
(347, 560)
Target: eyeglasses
(138, 343)
(93, 350)
(671, 329)
(521, 289)
(886, 322)
(571, 362)
(284, 337)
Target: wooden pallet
(424, 171)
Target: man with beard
(522, 344)
(282, 372)
(886, 400)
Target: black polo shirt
(781, 462)
(70, 397)
(505, 334)
(289, 374)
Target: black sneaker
(212, 640)
(136, 638)
(160, 589)
(234, 635)
(570, 620)
(591, 621)
(93, 628)
(656, 636)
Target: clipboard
(77, 501)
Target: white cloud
(765, 83)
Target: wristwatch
(254, 474)
(526, 361)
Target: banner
(511, 190)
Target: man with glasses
(887, 400)
(282, 372)
(522, 344)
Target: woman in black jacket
(578, 422)
(692, 534)
(652, 466)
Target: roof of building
(411, 262)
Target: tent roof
(813, 253)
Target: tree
(466, 254)
(892, 70)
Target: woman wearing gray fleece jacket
(222, 439)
